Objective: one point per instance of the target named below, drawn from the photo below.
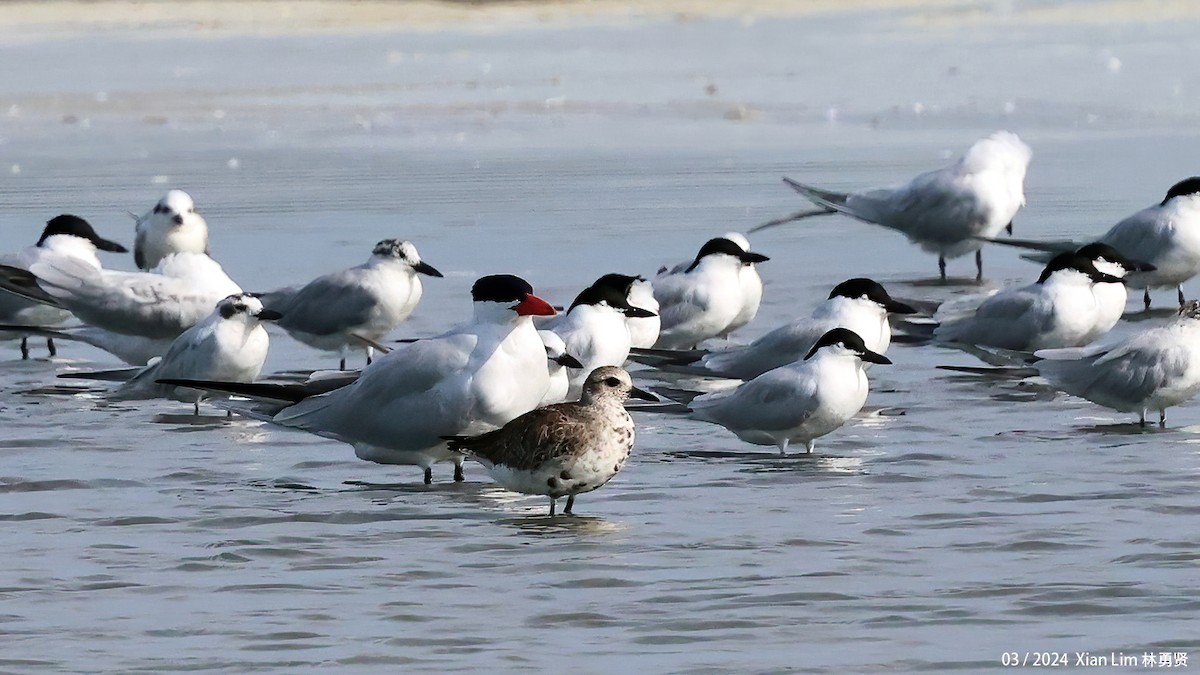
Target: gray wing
(773, 401)
(1006, 320)
(133, 303)
(327, 305)
(1124, 376)
(933, 206)
(1140, 236)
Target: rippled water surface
(964, 520)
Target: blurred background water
(986, 518)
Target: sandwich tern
(702, 300)
(366, 301)
(949, 211)
(860, 305)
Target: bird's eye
(613, 382)
(240, 307)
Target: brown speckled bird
(563, 449)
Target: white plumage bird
(172, 226)
(799, 402)
(1152, 370)
(702, 300)
(64, 236)
(1166, 236)
(471, 379)
(228, 345)
(860, 305)
(947, 211)
(347, 310)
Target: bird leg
(1162, 418)
(458, 472)
(808, 446)
(979, 265)
(552, 503)
(429, 475)
(782, 444)
(196, 408)
(1146, 299)
(54, 351)
(570, 503)
(228, 414)
(25, 349)
(1142, 420)
(370, 353)
(942, 267)
(1182, 302)
(342, 364)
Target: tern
(64, 236)
(703, 300)
(594, 326)
(471, 379)
(558, 362)
(799, 402)
(338, 312)
(860, 305)
(1059, 310)
(159, 305)
(172, 226)
(229, 345)
(566, 449)
(1166, 236)
(643, 331)
(1152, 370)
(948, 211)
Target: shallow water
(973, 519)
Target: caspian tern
(471, 379)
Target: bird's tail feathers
(660, 357)
(23, 283)
(264, 391)
(1002, 372)
(113, 375)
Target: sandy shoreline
(34, 20)
(274, 17)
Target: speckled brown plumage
(563, 449)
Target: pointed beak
(897, 307)
(111, 246)
(269, 315)
(426, 268)
(178, 219)
(567, 361)
(532, 305)
(875, 358)
(634, 392)
(750, 257)
(632, 312)
(1141, 266)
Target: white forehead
(178, 201)
(739, 239)
(253, 304)
(555, 346)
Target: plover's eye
(613, 382)
(240, 307)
